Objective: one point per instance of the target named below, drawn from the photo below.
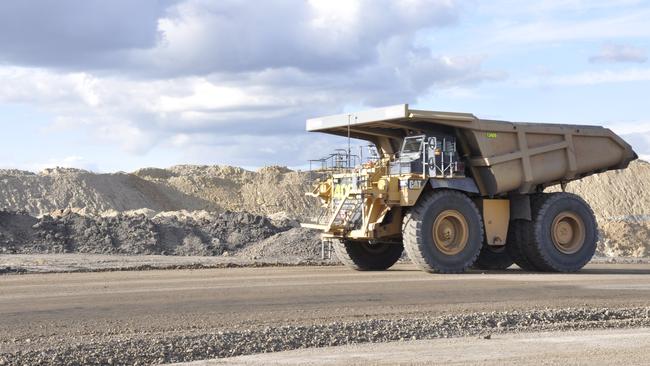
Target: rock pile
(172, 233)
(297, 244)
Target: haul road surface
(185, 315)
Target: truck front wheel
(364, 256)
(443, 232)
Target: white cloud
(504, 25)
(640, 141)
(588, 78)
(612, 52)
(138, 114)
(131, 137)
(73, 161)
(203, 96)
(203, 37)
(516, 8)
(545, 31)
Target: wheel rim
(450, 232)
(568, 232)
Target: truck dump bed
(501, 156)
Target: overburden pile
(184, 187)
(169, 233)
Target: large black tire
(493, 258)
(363, 256)
(517, 244)
(458, 227)
(563, 234)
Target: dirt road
(54, 315)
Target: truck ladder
(347, 212)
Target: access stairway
(343, 217)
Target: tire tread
(353, 258)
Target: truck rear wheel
(443, 232)
(517, 244)
(363, 256)
(563, 233)
(493, 258)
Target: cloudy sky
(121, 84)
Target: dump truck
(455, 191)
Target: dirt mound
(297, 244)
(55, 189)
(624, 239)
(180, 233)
(184, 187)
(267, 191)
(618, 195)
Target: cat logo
(415, 183)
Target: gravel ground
(76, 262)
(190, 347)
(261, 254)
(605, 347)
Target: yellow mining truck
(456, 191)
